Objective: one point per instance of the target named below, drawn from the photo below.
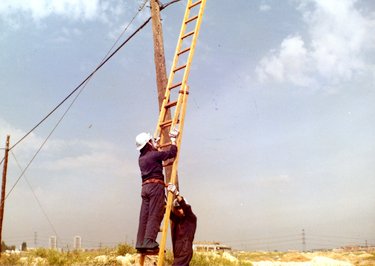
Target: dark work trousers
(152, 211)
(183, 252)
(183, 231)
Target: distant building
(77, 242)
(354, 248)
(53, 242)
(210, 246)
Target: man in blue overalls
(152, 208)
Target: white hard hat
(142, 139)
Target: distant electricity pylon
(303, 240)
(35, 239)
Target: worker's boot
(139, 247)
(150, 244)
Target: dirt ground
(274, 259)
(327, 258)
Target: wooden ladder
(175, 98)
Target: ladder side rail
(193, 42)
(190, 57)
(173, 180)
(178, 118)
(189, 60)
(171, 73)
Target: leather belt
(153, 180)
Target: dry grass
(125, 255)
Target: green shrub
(168, 258)
(123, 249)
(208, 259)
(9, 259)
(40, 252)
(56, 258)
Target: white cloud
(338, 38)
(289, 64)
(84, 10)
(264, 7)
(77, 156)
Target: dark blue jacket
(151, 162)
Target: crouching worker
(152, 208)
(183, 226)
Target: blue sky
(279, 132)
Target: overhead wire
(65, 99)
(321, 241)
(80, 87)
(36, 198)
(93, 72)
(83, 82)
(106, 58)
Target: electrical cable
(83, 82)
(167, 4)
(36, 198)
(100, 65)
(81, 86)
(265, 238)
(66, 98)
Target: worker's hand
(156, 141)
(173, 135)
(173, 189)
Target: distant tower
(53, 242)
(303, 240)
(77, 242)
(35, 239)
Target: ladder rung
(187, 35)
(183, 51)
(166, 123)
(179, 68)
(191, 19)
(170, 104)
(195, 4)
(183, 92)
(175, 86)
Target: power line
(66, 98)
(81, 86)
(104, 61)
(279, 238)
(36, 198)
(169, 3)
(83, 82)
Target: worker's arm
(172, 152)
(180, 199)
(168, 154)
(186, 207)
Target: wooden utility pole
(3, 186)
(160, 68)
(159, 56)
